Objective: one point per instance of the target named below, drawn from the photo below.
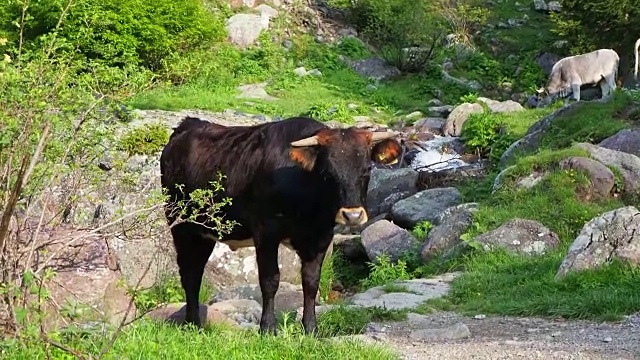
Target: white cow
(598, 67)
(635, 50)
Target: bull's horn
(310, 141)
(540, 91)
(381, 135)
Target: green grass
(146, 340)
(500, 283)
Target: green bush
(614, 19)
(145, 140)
(395, 25)
(117, 32)
(481, 131)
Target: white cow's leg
(575, 88)
(606, 90)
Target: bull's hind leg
(193, 251)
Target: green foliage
(399, 24)
(148, 139)
(615, 19)
(167, 290)
(499, 282)
(323, 111)
(481, 131)
(342, 320)
(592, 122)
(385, 271)
(353, 48)
(117, 33)
(421, 230)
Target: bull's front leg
(311, 271)
(269, 278)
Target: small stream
(431, 158)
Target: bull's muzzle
(352, 216)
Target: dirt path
(509, 338)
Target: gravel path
(511, 338)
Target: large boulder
(243, 29)
(627, 164)
(458, 116)
(232, 268)
(425, 205)
(612, 235)
(627, 140)
(384, 237)
(453, 222)
(601, 178)
(521, 236)
(386, 187)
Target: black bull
(290, 183)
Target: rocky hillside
(505, 223)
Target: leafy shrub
(408, 35)
(117, 32)
(353, 48)
(481, 131)
(323, 111)
(145, 140)
(166, 291)
(385, 271)
(421, 230)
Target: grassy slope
(519, 285)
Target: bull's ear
(386, 152)
(304, 156)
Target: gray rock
(540, 5)
(384, 237)
(440, 110)
(419, 291)
(554, 6)
(458, 116)
(375, 68)
(627, 140)
(453, 223)
(175, 313)
(526, 182)
(425, 205)
(507, 106)
(244, 29)
(520, 236)
(254, 91)
(288, 297)
(601, 177)
(627, 164)
(453, 332)
(613, 235)
(267, 10)
(430, 124)
(530, 142)
(546, 61)
(232, 268)
(387, 186)
(242, 311)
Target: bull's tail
(635, 51)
